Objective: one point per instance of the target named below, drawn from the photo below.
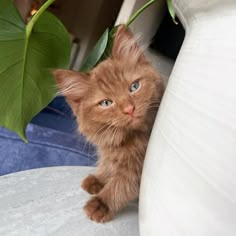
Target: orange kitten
(115, 105)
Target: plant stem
(35, 17)
(139, 11)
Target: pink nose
(129, 110)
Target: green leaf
(171, 10)
(96, 53)
(26, 84)
(108, 49)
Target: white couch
(189, 179)
(188, 184)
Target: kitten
(115, 105)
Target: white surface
(49, 202)
(189, 179)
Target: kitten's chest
(129, 155)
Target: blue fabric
(52, 142)
(57, 115)
(46, 147)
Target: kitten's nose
(129, 110)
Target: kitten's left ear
(72, 84)
(125, 46)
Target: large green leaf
(26, 84)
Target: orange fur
(120, 136)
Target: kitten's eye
(105, 103)
(134, 86)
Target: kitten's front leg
(114, 196)
(92, 184)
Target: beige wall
(88, 20)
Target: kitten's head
(117, 97)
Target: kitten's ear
(125, 46)
(72, 85)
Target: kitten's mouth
(134, 121)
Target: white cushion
(189, 178)
(50, 201)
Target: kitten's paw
(92, 185)
(96, 210)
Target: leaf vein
(5, 69)
(35, 49)
(31, 78)
(13, 39)
(12, 23)
(45, 32)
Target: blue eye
(105, 103)
(134, 86)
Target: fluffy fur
(120, 131)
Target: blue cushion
(46, 147)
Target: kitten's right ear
(125, 46)
(72, 84)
